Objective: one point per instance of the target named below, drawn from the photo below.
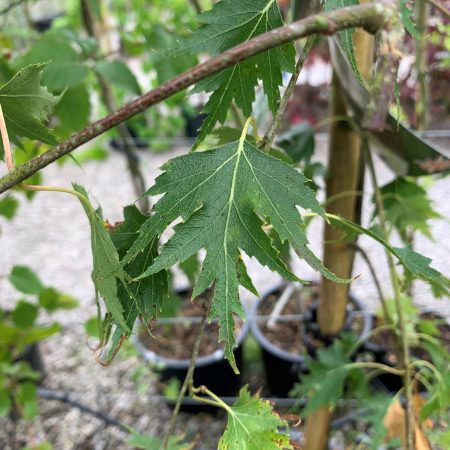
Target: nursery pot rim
(263, 341)
(378, 348)
(217, 355)
(293, 357)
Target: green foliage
(51, 300)
(407, 207)
(146, 442)
(73, 99)
(25, 280)
(221, 195)
(328, 374)
(415, 264)
(19, 329)
(26, 106)
(298, 142)
(24, 314)
(106, 271)
(8, 207)
(146, 297)
(27, 400)
(118, 74)
(345, 37)
(253, 425)
(407, 20)
(227, 24)
(65, 68)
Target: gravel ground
(51, 235)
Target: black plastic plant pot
(32, 356)
(355, 309)
(283, 368)
(388, 382)
(212, 371)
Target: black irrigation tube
(64, 397)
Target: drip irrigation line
(64, 397)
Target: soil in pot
(172, 345)
(383, 347)
(285, 343)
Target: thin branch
(375, 279)
(11, 6)
(196, 5)
(107, 97)
(5, 141)
(190, 373)
(270, 134)
(370, 16)
(422, 97)
(403, 343)
(441, 8)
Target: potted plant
(21, 330)
(285, 326)
(167, 345)
(226, 199)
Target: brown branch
(441, 8)
(107, 97)
(188, 380)
(371, 17)
(267, 141)
(196, 5)
(11, 6)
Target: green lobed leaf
(221, 195)
(227, 24)
(25, 280)
(106, 271)
(253, 425)
(146, 297)
(407, 20)
(415, 264)
(345, 37)
(418, 266)
(407, 205)
(324, 382)
(118, 74)
(26, 106)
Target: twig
(196, 5)
(422, 100)
(12, 5)
(270, 134)
(371, 16)
(64, 398)
(187, 383)
(5, 141)
(375, 279)
(441, 8)
(107, 96)
(403, 341)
